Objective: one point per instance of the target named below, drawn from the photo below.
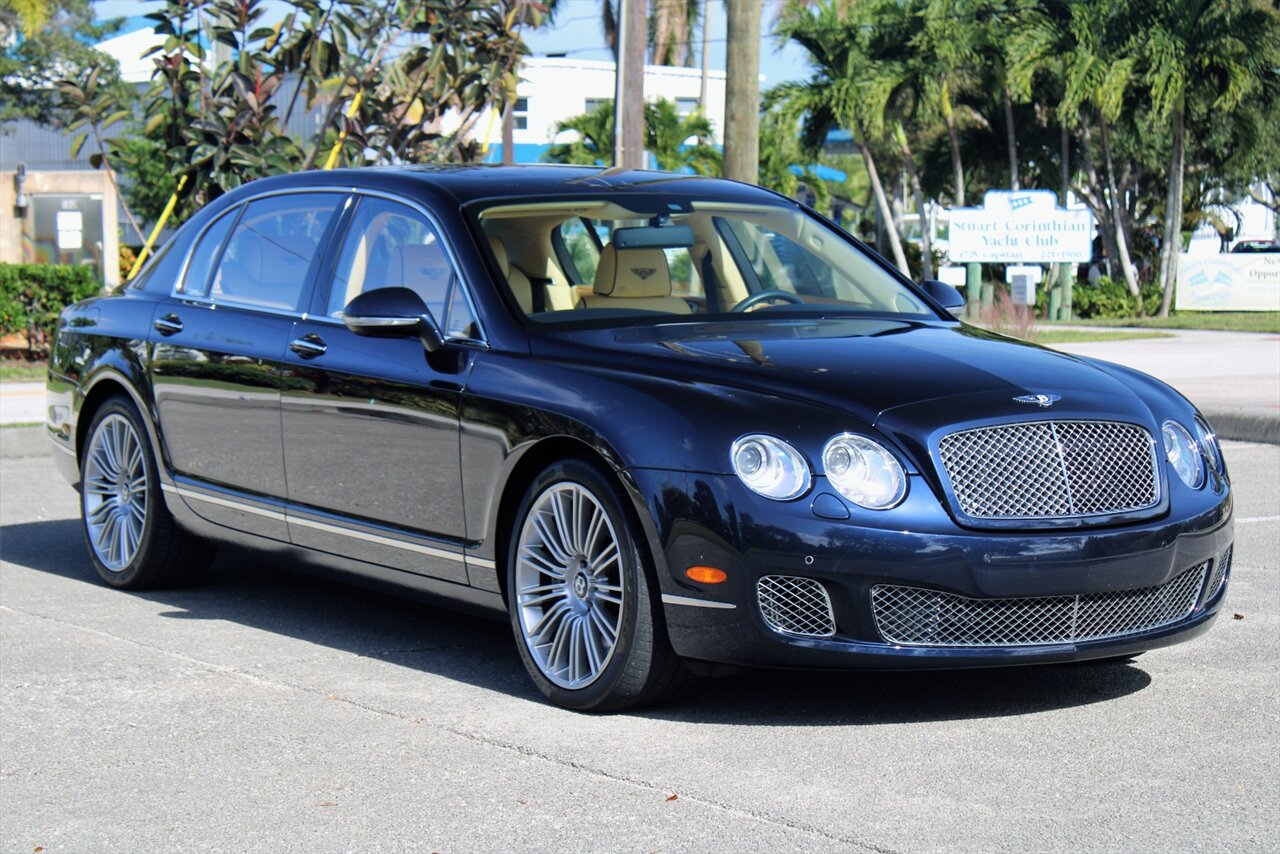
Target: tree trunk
(742, 92)
(1066, 273)
(706, 57)
(957, 167)
(1117, 212)
(882, 205)
(628, 145)
(1171, 245)
(1011, 138)
(926, 238)
(508, 135)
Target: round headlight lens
(1183, 453)
(863, 471)
(770, 467)
(1209, 444)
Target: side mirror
(945, 295)
(393, 313)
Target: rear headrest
(632, 273)
(249, 254)
(500, 254)
(422, 268)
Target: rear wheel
(586, 615)
(133, 541)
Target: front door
(371, 424)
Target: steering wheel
(765, 296)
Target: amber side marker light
(706, 574)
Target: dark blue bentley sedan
(660, 423)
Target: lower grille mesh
(916, 617)
(1220, 568)
(796, 606)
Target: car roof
(475, 181)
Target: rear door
(371, 424)
(219, 342)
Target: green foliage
(666, 137)
(33, 295)
(594, 145)
(1107, 298)
(41, 43)
(149, 181)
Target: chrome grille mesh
(913, 616)
(796, 606)
(1220, 568)
(1048, 469)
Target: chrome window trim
(351, 192)
(180, 282)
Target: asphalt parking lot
(270, 711)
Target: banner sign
(1232, 282)
(1024, 227)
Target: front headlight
(1209, 445)
(863, 471)
(1183, 453)
(770, 467)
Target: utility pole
(628, 100)
(706, 55)
(742, 92)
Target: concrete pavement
(267, 711)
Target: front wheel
(133, 541)
(587, 619)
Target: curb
(23, 442)
(1243, 427)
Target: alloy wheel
(115, 492)
(569, 589)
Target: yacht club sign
(1023, 227)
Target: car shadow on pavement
(245, 590)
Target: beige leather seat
(521, 287)
(634, 278)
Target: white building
(553, 89)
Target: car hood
(900, 376)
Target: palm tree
(742, 91)
(1198, 53)
(1088, 50)
(594, 145)
(947, 43)
(835, 97)
(666, 132)
(672, 24)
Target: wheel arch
(106, 384)
(531, 463)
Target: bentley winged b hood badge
(1044, 400)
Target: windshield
(607, 262)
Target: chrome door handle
(309, 346)
(170, 324)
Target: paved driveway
(268, 711)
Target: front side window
(268, 258)
(389, 245)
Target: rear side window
(268, 258)
(196, 281)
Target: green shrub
(33, 295)
(1108, 298)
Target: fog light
(706, 574)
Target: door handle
(309, 346)
(170, 324)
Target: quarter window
(269, 255)
(196, 281)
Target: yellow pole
(155, 232)
(342, 137)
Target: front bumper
(711, 520)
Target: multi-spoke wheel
(132, 539)
(588, 626)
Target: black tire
(642, 669)
(165, 555)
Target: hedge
(33, 295)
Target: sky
(577, 33)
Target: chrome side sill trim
(671, 599)
(224, 502)
(373, 538)
(60, 446)
(482, 563)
